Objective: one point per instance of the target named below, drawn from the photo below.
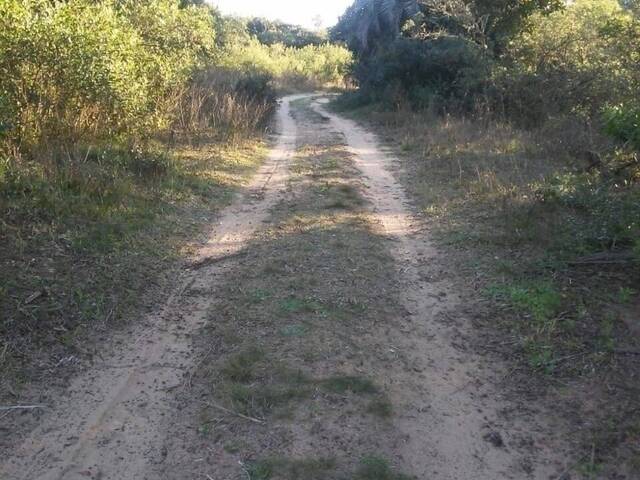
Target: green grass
(539, 299)
(349, 383)
(374, 467)
(241, 367)
(290, 469)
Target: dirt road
(315, 336)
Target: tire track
(111, 423)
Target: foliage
(368, 23)
(272, 32)
(623, 122)
(437, 51)
(423, 73)
(529, 61)
(75, 71)
(571, 61)
(311, 65)
(89, 72)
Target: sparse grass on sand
(550, 249)
(85, 242)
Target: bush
(225, 101)
(85, 71)
(424, 72)
(308, 67)
(572, 61)
(623, 123)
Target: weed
(298, 305)
(342, 197)
(291, 469)
(589, 468)
(605, 340)
(260, 400)
(374, 467)
(241, 367)
(540, 355)
(349, 383)
(381, 407)
(204, 429)
(540, 299)
(625, 295)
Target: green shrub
(310, 66)
(85, 71)
(422, 73)
(572, 61)
(623, 123)
(605, 211)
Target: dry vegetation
(547, 259)
(124, 127)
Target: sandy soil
(452, 410)
(110, 423)
(449, 421)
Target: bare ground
(317, 335)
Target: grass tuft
(241, 367)
(349, 383)
(291, 469)
(374, 467)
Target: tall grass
(226, 102)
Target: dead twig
(231, 412)
(626, 352)
(205, 262)
(21, 407)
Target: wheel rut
(315, 336)
(110, 425)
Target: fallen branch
(231, 412)
(205, 262)
(21, 407)
(626, 352)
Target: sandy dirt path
(449, 419)
(110, 425)
(452, 413)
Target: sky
(299, 12)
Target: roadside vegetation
(518, 125)
(124, 126)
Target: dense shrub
(573, 61)
(272, 32)
(310, 66)
(423, 72)
(85, 72)
(531, 62)
(82, 70)
(623, 123)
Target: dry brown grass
(513, 210)
(214, 101)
